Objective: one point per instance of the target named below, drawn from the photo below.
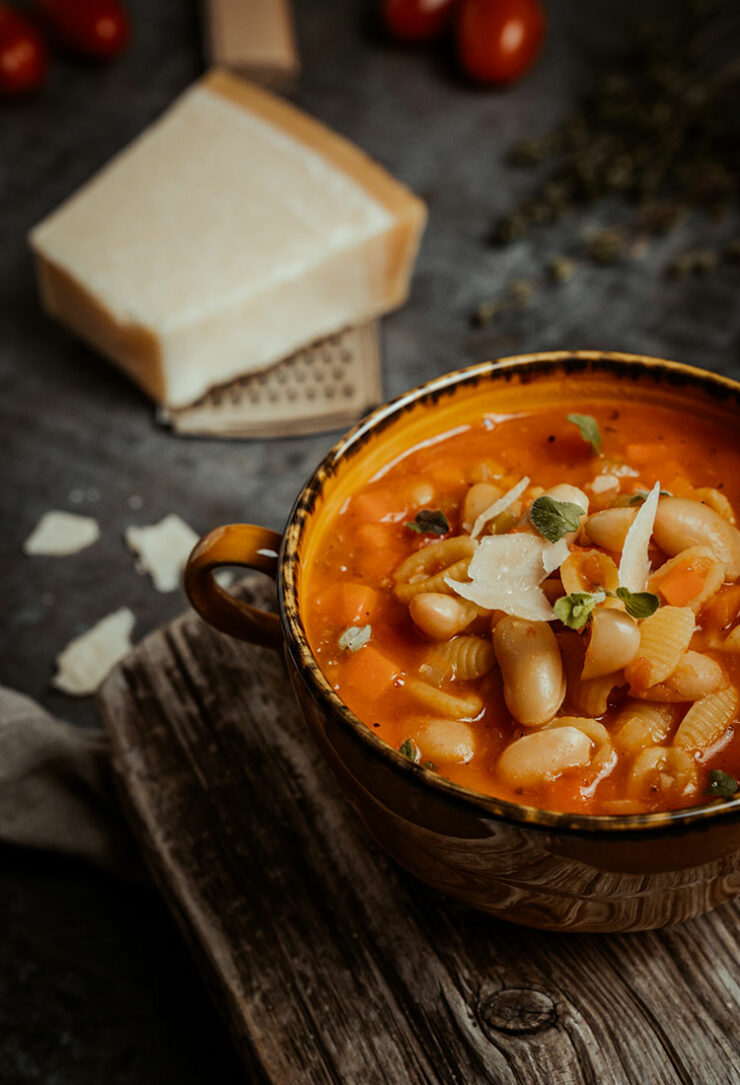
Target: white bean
(479, 498)
(565, 492)
(614, 640)
(486, 471)
(422, 492)
(441, 616)
(543, 756)
(681, 523)
(531, 667)
(609, 527)
(695, 676)
(449, 741)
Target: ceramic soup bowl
(558, 871)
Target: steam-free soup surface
(425, 621)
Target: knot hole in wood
(517, 1011)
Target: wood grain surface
(333, 965)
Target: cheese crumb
(60, 533)
(635, 564)
(553, 555)
(499, 506)
(162, 550)
(602, 483)
(506, 572)
(87, 659)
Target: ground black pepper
(661, 134)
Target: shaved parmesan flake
(499, 506)
(553, 555)
(505, 574)
(162, 550)
(86, 660)
(61, 533)
(635, 564)
(602, 483)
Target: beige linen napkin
(57, 791)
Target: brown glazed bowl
(537, 867)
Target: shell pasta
(544, 617)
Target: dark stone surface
(95, 984)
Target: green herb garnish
(429, 521)
(640, 496)
(353, 638)
(554, 519)
(638, 604)
(589, 430)
(721, 785)
(574, 610)
(429, 765)
(409, 749)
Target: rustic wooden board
(333, 965)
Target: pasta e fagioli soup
(542, 602)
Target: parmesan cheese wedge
(86, 660)
(234, 231)
(506, 572)
(499, 506)
(162, 550)
(60, 533)
(634, 566)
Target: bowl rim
(296, 640)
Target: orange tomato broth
(347, 571)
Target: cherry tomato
(23, 60)
(93, 28)
(416, 20)
(498, 40)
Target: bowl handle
(235, 544)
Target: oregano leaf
(575, 609)
(640, 496)
(589, 430)
(554, 519)
(429, 521)
(409, 749)
(721, 785)
(638, 604)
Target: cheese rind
(232, 232)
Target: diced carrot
(377, 505)
(366, 670)
(357, 603)
(347, 602)
(448, 476)
(683, 583)
(679, 485)
(373, 535)
(654, 456)
(643, 453)
(724, 610)
(378, 551)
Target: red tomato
(498, 40)
(22, 54)
(93, 28)
(416, 20)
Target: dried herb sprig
(661, 132)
